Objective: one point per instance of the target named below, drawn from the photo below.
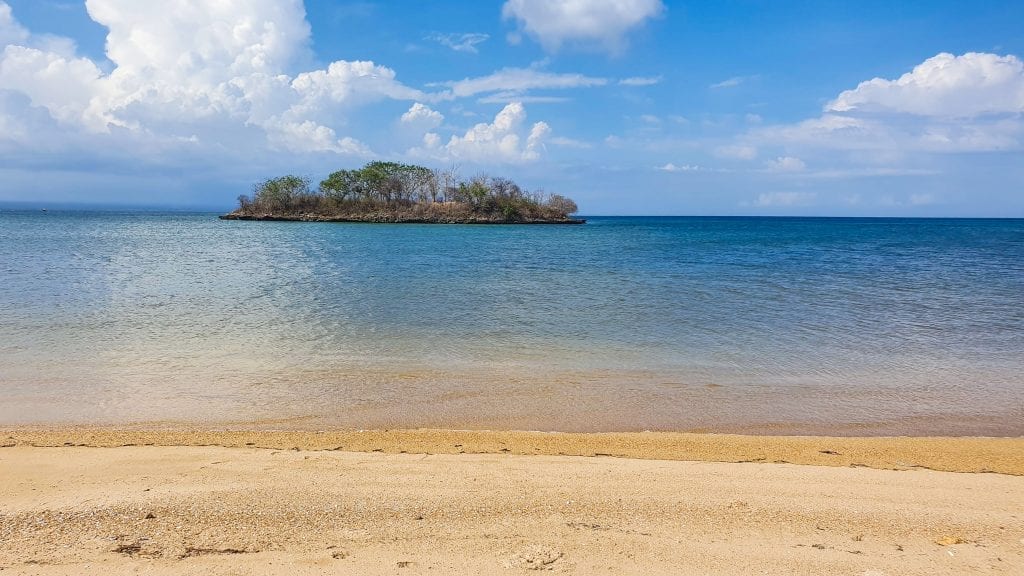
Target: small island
(391, 192)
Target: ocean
(755, 325)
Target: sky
(751, 107)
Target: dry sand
(247, 503)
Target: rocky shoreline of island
(385, 218)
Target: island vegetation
(395, 192)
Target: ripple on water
(783, 324)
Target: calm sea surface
(786, 325)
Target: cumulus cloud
(944, 85)
(202, 41)
(308, 136)
(500, 140)
(460, 42)
(194, 72)
(422, 115)
(349, 83)
(431, 141)
(601, 23)
(64, 86)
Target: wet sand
(951, 454)
(407, 502)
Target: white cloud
(601, 23)
(535, 141)
(729, 83)
(460, 42)
(500, 140)
(913, 200)
(734, 81)
(308, 136)
(737, 151)
(520, 80)
(613, 141)
(869, 172)
(786, 164)
(349, 83)
(771, 199)
(945, 105)
(944, 85)
(422, 116)
(569, 142)
(640, 81)
(209, 81)
(13, 33)
(510, 96)
(670, 167)
(10, 31)
(431, 141)
(202, 41)
(894, 137)
(832, 127)
(61, 85)
(193, 72)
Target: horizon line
(24, 206)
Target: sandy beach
(408, 502)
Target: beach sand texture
(178, 509)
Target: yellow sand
(178, 507)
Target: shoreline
(387, 219)
(1000, 455)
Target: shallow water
(790, 325)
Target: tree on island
(396, 192)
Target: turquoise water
(789, 325)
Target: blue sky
(628, 106)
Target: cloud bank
(217, 82)
(948, 104)
(195, 73)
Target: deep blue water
(759, 324)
